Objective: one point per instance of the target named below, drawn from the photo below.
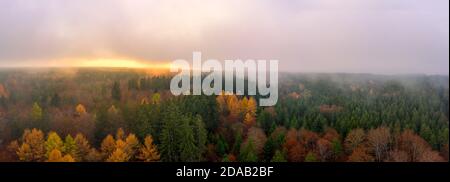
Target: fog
(354, 36)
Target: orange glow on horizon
(120, 63)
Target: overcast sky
(374, 36)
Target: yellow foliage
(149, 152)
(80, 109)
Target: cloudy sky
(374, 36)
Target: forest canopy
(119, 115)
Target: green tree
(310, 157)
(70, 146)
(188, 149)
(278, 157)
(53, 142)
(115, 92)
(248, 153)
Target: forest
(130, 115)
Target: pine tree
(170, 134)
(115, 92)
(248, 153)
(36, 112)
(188, 148)
(200, 135)
(310, 157)
(278, 157)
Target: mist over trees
(120, 115)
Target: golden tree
(131, 145)
(80, 109)
(149, 152)
(25, 153)
(35, 140)
(108, 146)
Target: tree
(116, 92)
(296, 153)
(269, 150)
(55, 156)
(132, 145)
(33, 147)
(310, 157)
(170, 134)
(53, 142)
(308, 139)
(156, 98)
(70, 147)
(200, 135)
(120, 134)
(249, 120)
(258, 138)
(25, 153)
(379, 140)
(188, 149)
(82, 148)
(36, 112)
(354, 138)
(149, 151)
(118, 156)
(108, 146)
(414, 146)
(324, 149)
(80, 110)
(248, 153)
(360, 154)
(278, 157)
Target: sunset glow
(119, 63)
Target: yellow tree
(131, 145)
(54, 156)
(80, 109)
(233, 108)
(120, 134)
(251, 106)
(149, 152)
(249, 120)
(35, 140)
(25, 153)
(53, 142)
(119, 154)
(108, 146)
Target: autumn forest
(130, 115)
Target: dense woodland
(119, 115)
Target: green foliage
(248, 153)
(310, 157)
(278, 157)
(116, 93)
